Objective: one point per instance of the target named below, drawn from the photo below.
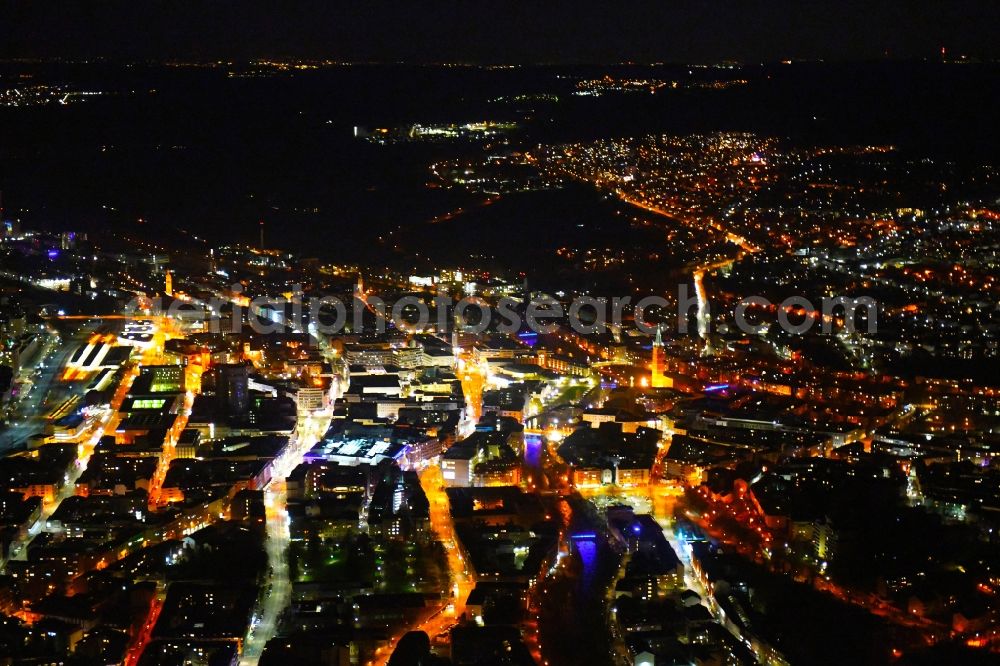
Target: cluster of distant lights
(41, 95)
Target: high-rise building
(232, 388)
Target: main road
(278, 596)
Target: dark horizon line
(85, 60)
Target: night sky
(491, 32)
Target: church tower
(659, 380)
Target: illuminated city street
(278, 586)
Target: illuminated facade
(659, 380)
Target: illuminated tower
(168, 286)
(658, 379)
